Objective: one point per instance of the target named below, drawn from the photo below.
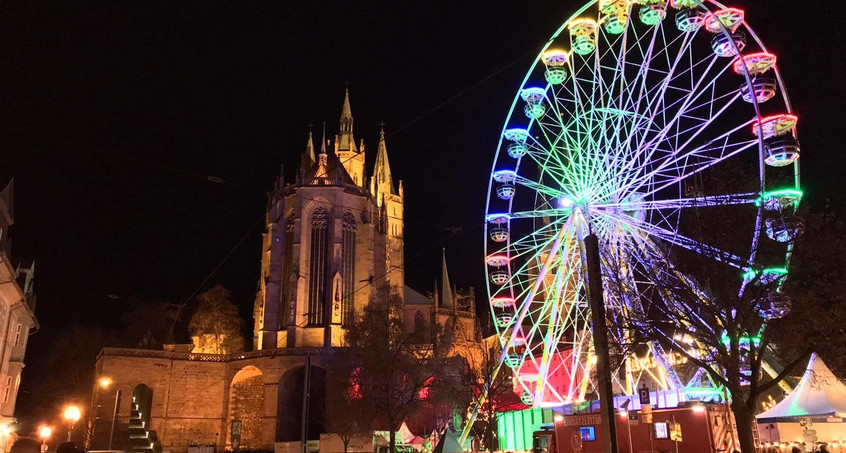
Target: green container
(516, 428)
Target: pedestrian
(824, 448)
(795, 450)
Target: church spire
(322, 171)
(309, 154)
(382, 182)
(323, 141)
(346, 142)
(447, 300)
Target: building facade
(333, 242)
(17, 311)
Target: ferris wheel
(626, 109)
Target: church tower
(390, 202)
(331, 243)
(351, 157)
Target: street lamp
(44, 432)
(5, 433)
(72, 415)
(102, 383)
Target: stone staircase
(141, 438)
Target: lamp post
(72, 415)
(102, 383)
(114, 418)
(44, 433)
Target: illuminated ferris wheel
(624, 111)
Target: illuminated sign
(661, 430)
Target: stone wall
(196, 396)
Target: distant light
(72, 414)
(566, 202)
(45, 432)
(624, 413)
(558, 418)
(105, 382)
(699, 408)
(5, 430)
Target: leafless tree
(395, 373)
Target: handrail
(199, 357)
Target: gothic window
(18, 334)
(348, 270)
(7, 391)
(287, 268)
(317, 268)
(419, 324)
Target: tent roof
(449, 443)
(818, 393)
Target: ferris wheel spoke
(539, 188)
(652, 145)
(674, 155)
(526, 303)
(687, 169)
(682, 203)
(679, 167)
(532, 245)
(675, 238)
(665, 274)
(559, 304)
(540, 214)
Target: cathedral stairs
(141, 440)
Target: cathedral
(333, 242)
(332, 239)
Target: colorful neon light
(614, 146)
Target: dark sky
(115, 113)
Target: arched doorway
(290, 405)
(142, 403)
(141, 436)
(246, 404)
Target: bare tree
(492, 387)
(396, 374)
(346, 412)
(714, 319)
(216, 325)
(817, 285)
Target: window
(419, 325)
(287, 267)
(348, 267)
(18, 335)
(8, 389)
(588, 433)
(661, 430)
(317, 269)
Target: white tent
(819, 393)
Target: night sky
(143, 135)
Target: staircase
(141, 439)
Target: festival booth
(812, 413)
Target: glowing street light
(72, 415)
(5, 435)
(104, 382)
(44, 432)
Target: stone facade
(17, 311)
(195, 397)
(333, 241)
